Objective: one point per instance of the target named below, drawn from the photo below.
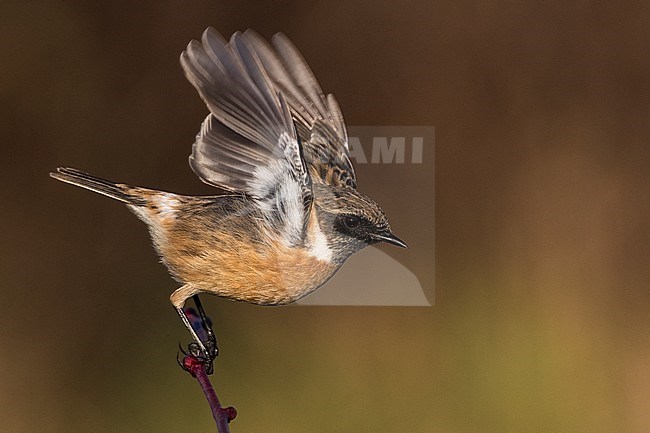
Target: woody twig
(199, 368)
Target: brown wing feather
(317, 116)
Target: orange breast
(239, 269)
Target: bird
(278, 147)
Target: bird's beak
(390, 238)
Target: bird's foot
(195, 354)
(204, 349)
(209, 350)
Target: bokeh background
(541, 276)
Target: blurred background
(540, 320)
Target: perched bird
(280, 147)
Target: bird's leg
(195, 336)
(211, 340)
(204, 347)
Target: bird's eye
(351, 221)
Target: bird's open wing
(318, 118)
(248, 142)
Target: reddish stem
(222, 416)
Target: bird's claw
(203, 350)
(196, 353)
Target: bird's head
(351, 221)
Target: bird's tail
(101, 186)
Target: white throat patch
(318, 246)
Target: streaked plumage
(279, 145)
